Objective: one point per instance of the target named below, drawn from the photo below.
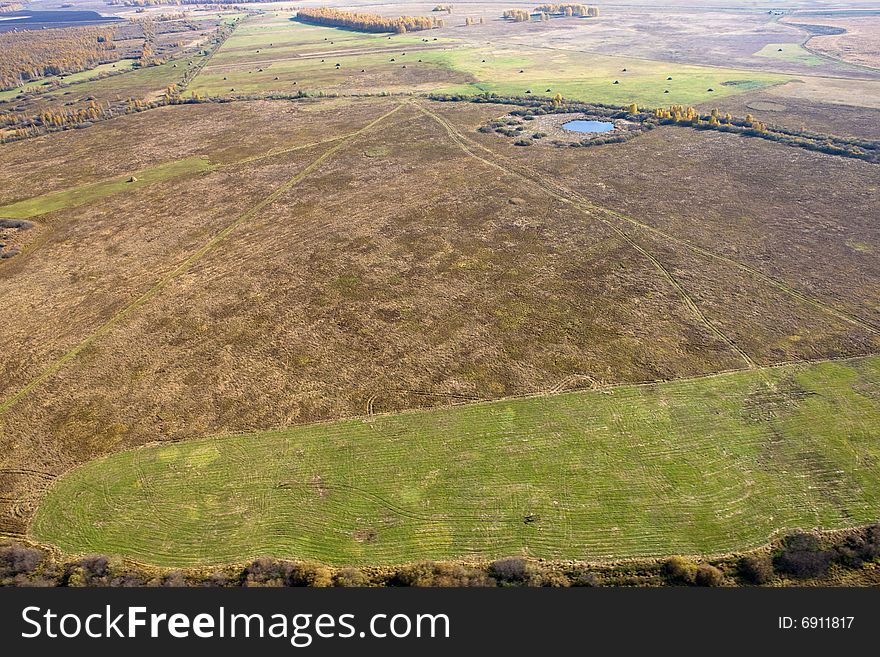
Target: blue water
(35, 20)
(588, 126)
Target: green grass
(790, 52)
(296, 52)
(77, 196)
(706, 465)
(591, 77)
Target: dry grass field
(311, 272)
(853, 39)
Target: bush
(522, 142)
(429, 573)
(514, 570)
(265, 571)
(857, 549)
(17, 559)
(707, 575)
(550, 578)
(803, 557)
(756, 568)
(586, 579)
(679, 571)
(174, 579)
(351, 577)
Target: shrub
(708, 575)
(550, 578)
(522, 142)
(679, 571)
(310, 574)
(856, 549)
(265, 571)
(174, 580)
(756, 568)
(514, 570)
(17, 559)
(586, 579)
(441, 574)
(351, 577)
(802, 556)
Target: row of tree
(34, 54)
(366, 22)
(544, 12)
(568, 10)
(795, 558)
(517, 15)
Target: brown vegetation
(366, 22)
(802, 558)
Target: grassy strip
(702, 466)
(77, 196)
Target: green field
(705, 465)
(272, 54)
(592, 77)
(790, 52)
(77, 196)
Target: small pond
(581, 125)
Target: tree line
(34, 54)
(544, 12)
(366, 22)
(798, 558)
(568, 9)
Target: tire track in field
(554, 190)
(848, 317)
(184, 266)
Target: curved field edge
(702, 466)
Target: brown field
(773, 108)
(412, 264)
(859, 44)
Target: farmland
(295, 293)
(273, 54)
(712, 465)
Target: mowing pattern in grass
(88, 193)
(695, 466)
